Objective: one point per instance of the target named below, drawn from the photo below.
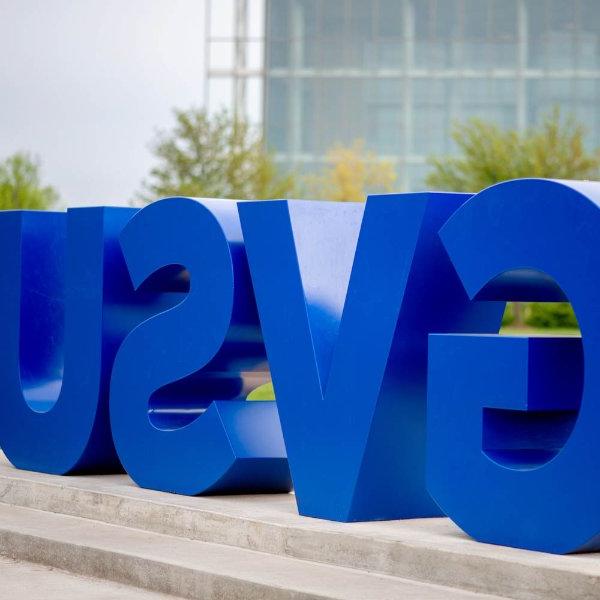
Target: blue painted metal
(347, 296)
(63, 285)
(345, 324)
(195, 363)
(513, 444)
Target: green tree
(351, 172)
(487, 155)
(553, 315)
(213, 157)
(20, 184)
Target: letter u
(61, 277)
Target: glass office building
(399, 73)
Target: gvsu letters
(131, 339)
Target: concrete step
(29, 581)
(432, 551)
(191, 568)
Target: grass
(262, 392)
(543, 332)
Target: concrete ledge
(29, 581)
(190, 568)
(433, 551)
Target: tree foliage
(213, 156)
(488, 154)
(20, 184)
(350, 174)
(555, 315)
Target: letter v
(345, 324)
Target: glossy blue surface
(163, 298)
(63, 288)
(346, 301)
(195, 363)
(513, 444)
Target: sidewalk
(28, 581)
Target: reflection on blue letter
(513, 443)
(178, 411)
(346, 324)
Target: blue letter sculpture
(63, 282)
(346, 324)
(513, 442)
(178, 411)
(158, 307)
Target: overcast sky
(84, 84)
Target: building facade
(399, 73)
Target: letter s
(190, 364)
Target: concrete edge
(537, 577)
